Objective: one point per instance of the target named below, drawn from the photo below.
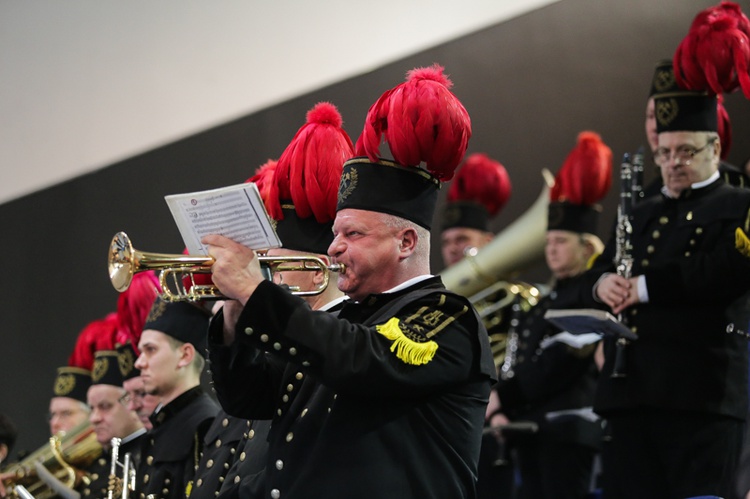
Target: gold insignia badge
(125, 361)
(160, 306)
(348, 184)
(64, 384)
(101, 365)
(666, 111)
(664, 80)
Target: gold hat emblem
(666, 111)
(160, 306)
(348, 184)
(64, 384)
(125, 361)
(664, 80)
(101, 365)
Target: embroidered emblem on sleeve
(411, 336)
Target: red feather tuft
(724, 127)
(133, 306)
(422, 122)
(715, 54)
(263, 179)
(97, 335)
(482, 180)
(586, 175)
(309, 170)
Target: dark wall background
(530, 84)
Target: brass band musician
(547, 378)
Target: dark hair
(8, 432)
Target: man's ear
(187, 354)
(3, 452)
(408, 242)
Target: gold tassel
(741, 242)
(408, 350)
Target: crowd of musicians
(385, 382)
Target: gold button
(663, 220)
(289, 436)
(290, 387)
(165, 492)
(199, 482)
(209, 463)
(285, 398)
(218, 443)
(167, 481)
(248, 331)
(292, 351)
(655, 234)
(692, 242)
(264, 338)
(221, 479)
(687, 253)
(644, 263)
(145, 478)
(94, 476)
(226, 466)
(251, 434)
(225, 422)
(278, 412)
(277, 346)
(279, 464)
(699, 230)
(304, 413)
(237, 479)
(242, 456)
(634, 329)
(689, 215)
(650, 249)
(299, 375)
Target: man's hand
(236, 271)
(617, 292)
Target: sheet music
(236, 212)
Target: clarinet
(630, 192)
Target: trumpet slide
(177, 272)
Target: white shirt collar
(715, 176)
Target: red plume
(715, 54)
(263, 179)
(309, 170)
(724, 127)
(482, 180)
(133, 306)
(422, 121)
(586, 175)
(97, 335)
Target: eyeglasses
(128, 397)
(683, 155)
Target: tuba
(66, 456)
(177, 272)
(484, 275)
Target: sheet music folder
(588, 320)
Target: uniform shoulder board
(411, 333)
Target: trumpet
(127, 482)
(177, 276)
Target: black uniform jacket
(171, 449)
(557, 378)
(221, 447)
(245, 478)
(385, 400)
(683, 358)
